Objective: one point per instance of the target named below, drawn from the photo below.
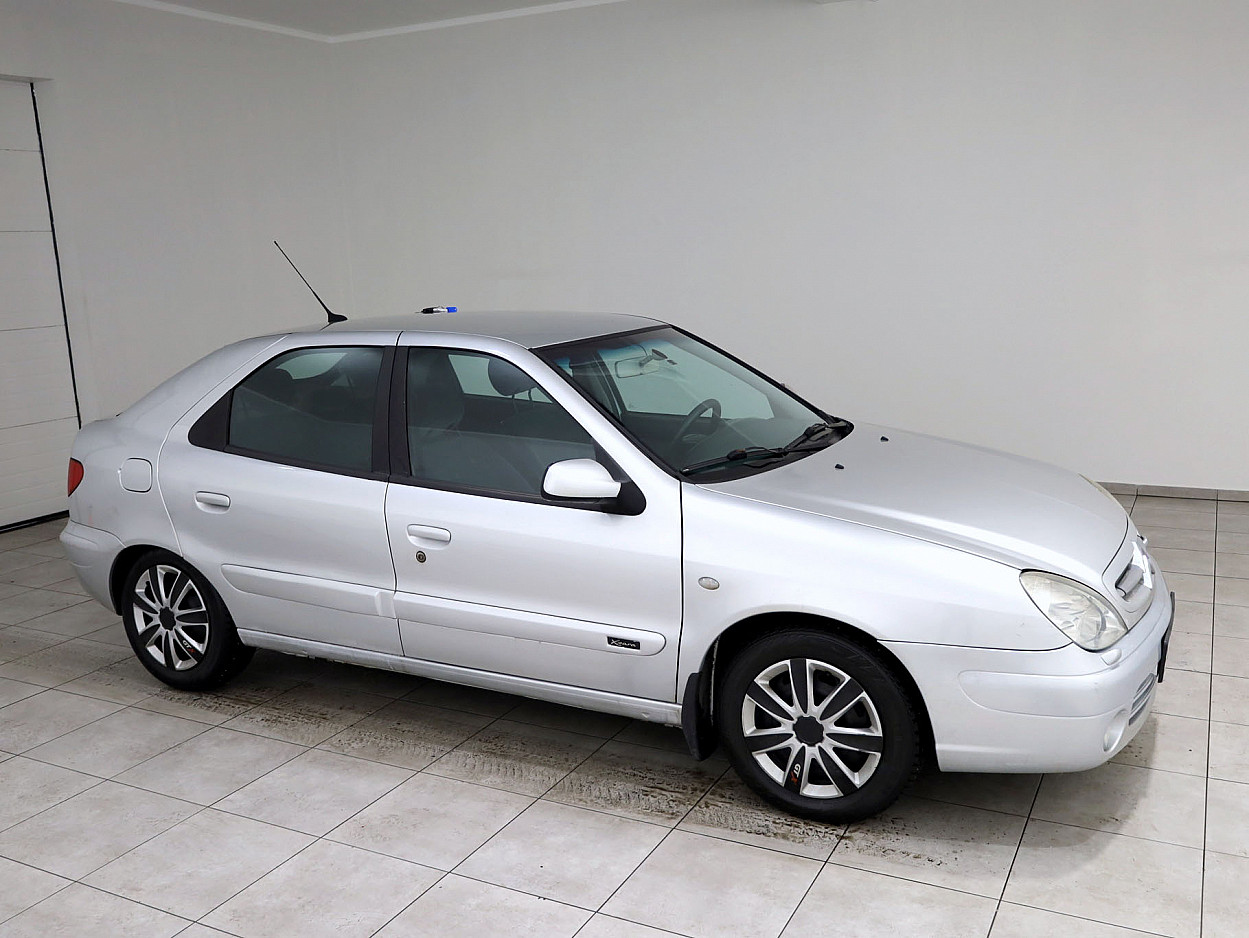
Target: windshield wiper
(809, 439)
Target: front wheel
(817, 726)
(178, 625)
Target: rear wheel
(178, 625)
(817, 725)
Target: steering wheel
(710, 405)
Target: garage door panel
(24, 203)
(33, 461)
(30, 296)
(17, 126)
(34, 376)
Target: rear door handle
(212, 501)
(423, 534)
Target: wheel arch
(123, 563)
(698, 714)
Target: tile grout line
(1023, 831)
(1205, 805)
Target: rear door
(491, 575)
(277, 493)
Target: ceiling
(339, 20)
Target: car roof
(529, 329)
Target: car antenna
(333, 317)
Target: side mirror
(581, 479)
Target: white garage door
(38, 413)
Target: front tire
(177, 624)
(818, 726)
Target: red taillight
(75, 475)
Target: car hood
(1017, 511)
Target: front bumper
(91, 552)
(1063, 710)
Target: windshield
(700, 412)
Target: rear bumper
(1063, 710)
(91, 552)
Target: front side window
(478, 422)
(698, 411)
(309, 407)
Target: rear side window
(309, 407)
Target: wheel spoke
(800, 682)
(863, 742)
(840, 701)
(181, 584)
(799, 769)
(191, 646)
(768, 701)
(144, 603)
(767, 741)
(836, 771)
(159, 593)
(191, 617)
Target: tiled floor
(313, 799)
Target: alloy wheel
(171, 617)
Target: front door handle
(423, 534)
(212, 501)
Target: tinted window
(311, 406)
(480, 422)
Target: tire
(849, 747)
(178, 626)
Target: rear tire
(818, 726)
(178, 626)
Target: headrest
(507, 379)
(435, 398)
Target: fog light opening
(1114, 732)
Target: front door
(492, 575)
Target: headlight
(1080, 613)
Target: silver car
(607, 512)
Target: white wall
(177, 151)
(1019, 222)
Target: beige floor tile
(1018, 921)
(516, 757)
(88, 830)
(886, 907)
(1225, 905)
(640, 782)
(1191, 587)
(1233, 565)
(939, 844)
(24, 886)
(202, 931)
(1233, 524)
(568, 854)
(81, 910)
(1229, 752)
(463, 908)
(1171, 560)
(30, 787)
(117, 742)
(732, 811)
(211, 766)
(314, 792)
(192, 868)
(43, 574)
(11, 561)
(1183, 694)
(1141, 884)
(1231, 541)
(13, 691)
(327, 890)
(1169, 743)
(1194, 617)
(1229, 622)
(214, 707)
(31, 603)
(308, 715)
(432, 820)
(1125, 799)
(125, 682)
(1231, 591)
(1189, 651)
(654, 735)
(572, 719)
(1177, 538)
(1231, 656)
(458, 697)
(18, 642)
(1008, 793)
(1229, 699)
(34, 720)
(59, 664)
(69, 585)
(1163, 518)
(407, 734)
(696, 885)
(605, 926)
(375, 681)
(1147, 497)
(11, 589)
(112, 634)
(74, 621)
(1227, 818)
